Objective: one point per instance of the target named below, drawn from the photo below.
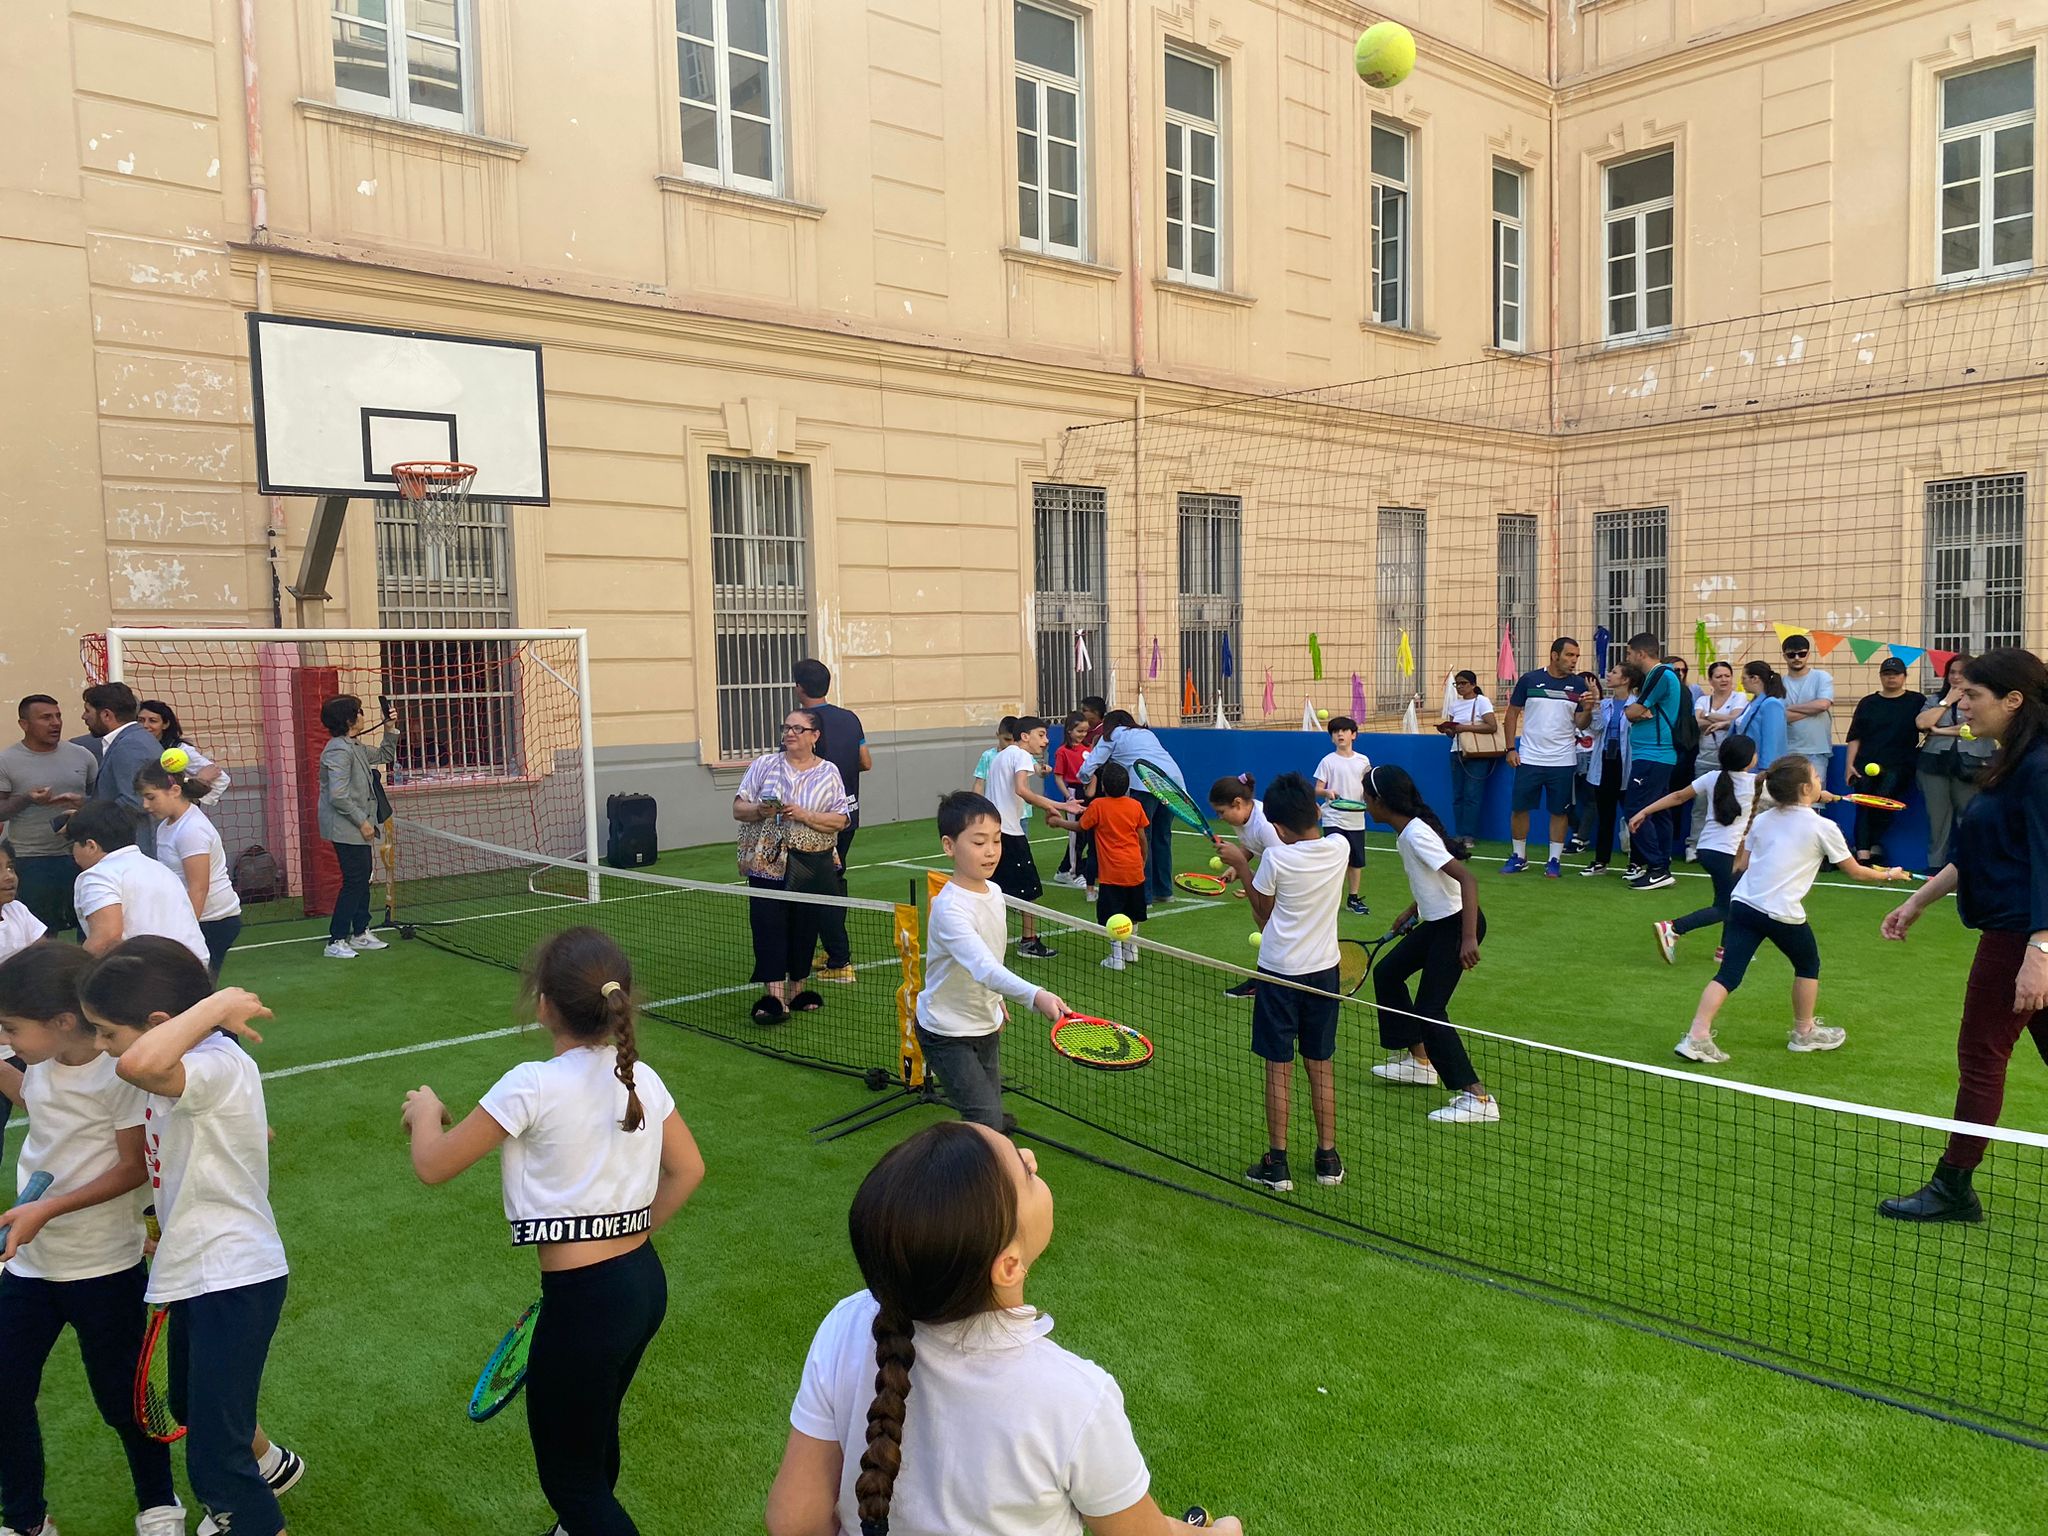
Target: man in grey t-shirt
(42, 778)
(1809, 699)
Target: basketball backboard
(337, 405)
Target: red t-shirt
(1119, 823)
(1066, 762)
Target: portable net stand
(437, 491)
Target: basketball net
(438, 494)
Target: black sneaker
(1329, 1166)
(1245, 988)
(1633, 873)
(1654, 880)
(290, 1468)
(1270, 1172)
(1595, 868)
(1575, 845)
(1356, 907)
(1036, 949)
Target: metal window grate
(1629, 574)
(1515, 585)
(1976, 562)
(1211, 602)
(457, 700)
(1071, 604)
(760, 598)
(1403, 559)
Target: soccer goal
(491, 745)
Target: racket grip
(38, 1184)
(1196, 1515)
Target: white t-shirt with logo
(1423, 857)
(73, 1115)
(1306, 881)
(1787, 847)
(1344, 778)
(1005, 1433)
(209, 1163)
(1257, 835)
(19, 928)
(570, 1173)
(1002, 787)
(1713, 835)
(193, 833)
(152, 900)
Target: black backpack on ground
(256, 876)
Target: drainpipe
(1132, 161)
(1556, 342)
(259, 228)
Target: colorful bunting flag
(1702, 647)
(1787, 631)
(1229, 669)
(1315, 657)
(1939, 660)
(1409, 723)
(1143, 719)
(1825, 642)
(1155, 658)
(1601, 640)
(1909, 654)
(1358, 709)
(1190, 701)
(1308, 716)
(1266, 704)
(1221, 723)
(1406, 656)
(1081, 650)
(1450, 693)
(1863, 649)
(1507, 666)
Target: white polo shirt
(19, 928)
(151, 898)
(1306, 881)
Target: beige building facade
(868, 259)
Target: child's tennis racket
(153, 1414)
(1355, 959)
(505, 1372)
(1100, 1043)
(37, 1186)
(1345, 805)
(1201, 883)
(1158, 783)
(1873, 802)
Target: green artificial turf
(1308, 1385)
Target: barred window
(1211, 603)
(1071, 594)
(760, 598)
(1516, 583)
(1629, 575)
(1976, 562)
(1403, 560)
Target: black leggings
(1720, 868)
(594, 1325)
(1432, 949)
(108, 1316)
(1606, 809)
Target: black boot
(1945, 1197)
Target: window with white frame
(1515, 583)
(1987, 171)
(1641, 218)
(760, 598)
(407, 59)
(1194, 171)
(1392, 221)
(1402, 558)
(1050, 205)
(1976, 562)
(1510, 244)
(731, 96)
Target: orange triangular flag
(1190, 701)
(1825, 642)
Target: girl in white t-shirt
(1341, 776)
(933, 1402)
(1729, 792)
(1784, 846)
(219, 1268)
(189, 847)
(74, 1257)
(1234, 803)
(1440, 935)
(595, 1159)
(209, 780)
(19, 928)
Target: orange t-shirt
(1119, 823)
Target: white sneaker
(1403, 1068)
(1114, 961)
(163, 1520)
(1069, 879)
(1092, 892)
(1467, 1109)
(1708, 1052)
(1667, 942)
(1818, 1038)
(367, 941)
(49, 1529)
(337, 950)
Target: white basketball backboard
(337, 405)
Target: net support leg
(870, 1115)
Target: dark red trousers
(1985, 1044)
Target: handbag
(1481, 746)
(764, 849)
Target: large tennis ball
(1385, 54)
(1119, 926)
(1966, 733)
(175, 760)
(1256, 938)
(1872, 770)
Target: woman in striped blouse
(790, 807)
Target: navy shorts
(1356, 840)
(1017, 873)
(1119, 900)
(1745, 930)
(1550, 785)
(1284, 1017)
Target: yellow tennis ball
(1322, 714)
(1966, 733)
(175, 760)
(1119, 927)
(1215, 861)
(1384, 55)
(1256, 939)
(1872, 770)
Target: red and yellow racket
(1873, 802)
(1201, 883)
(1100, 1043)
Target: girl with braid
(595, 1159)
(933, 1402)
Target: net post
(114, 648)
(590, 843)
(906, 992)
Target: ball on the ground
(1119, 926)
(1385, 54)
(1322, 714)
(1215, 861)
(1256, 938)
(1871, 770)
(175, 760)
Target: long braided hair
(1783, 781)
(928, 1224)
(589, 982)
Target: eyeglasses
(797, 730)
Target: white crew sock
(270, 1460)
(1521, 847)
(1556, 849)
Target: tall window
(1509, 263)
(1976, 562)
(1049, 201)
(1515, 585)
(1403, 560)
(1069, 547)
(1392, 202)
(1629, 575)
(1211, 602)
(726, 53)
(1194, 172)
(1641, 213)
(406, 59)
(760, 598)
(1987, 171)
(456, 699)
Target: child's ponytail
(895, 1354)
(1737, 753)
(1230, 789)
(619, 1008)
(588, 981)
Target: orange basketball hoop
(437, 490)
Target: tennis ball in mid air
(1215, 861)
(1119, 927)
(1384, 55)
(1322, 714)
(1256, 938)
(1872, 770)
(175, 760)
(1966, 733)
